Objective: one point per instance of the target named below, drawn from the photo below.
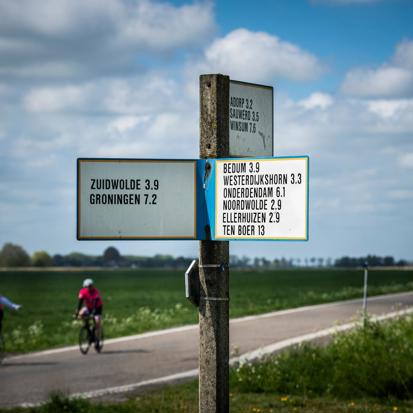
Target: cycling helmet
(87, 282)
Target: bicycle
(2, 348)
(2, 345)
(87, 336)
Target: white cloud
(133, 117)
(43, 70)
(160, 26)
(140, 94)
(134, 95)
(259, 56)
(391, 80)
(57, 18)
(383, 82)
(404, 55)
(401, 194)
(124, 123)
(142, 23)
(48, 99)
(406, 160)
(317, 100)
(4, 89)
(91, 38)
(390, 108)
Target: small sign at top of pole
(251, 120)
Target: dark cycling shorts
(98, 310)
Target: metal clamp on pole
(215, 298)
(222, 267)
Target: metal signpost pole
(213, 259)
(365, 294)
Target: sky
(120, 78)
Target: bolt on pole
(214, 259)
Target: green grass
(363, 371)
(184, 399)
(143, 300)
(375, 361)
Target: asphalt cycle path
(155, 358)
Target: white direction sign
(136, 199)
(251, 119)
(262, 199)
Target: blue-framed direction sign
(215, 199)
(124, 199)
(258, 198)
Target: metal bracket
(206, 174)
(192, 284)
(214, 299)
(222, 266)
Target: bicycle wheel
(99, 341)
(2, 349)
(84, 340)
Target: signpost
(366, 274)
(213, 258)
(215, 199)
(251, 119)
(123, 199)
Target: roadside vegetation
(136, 301)
(366, 370)
(375, 362)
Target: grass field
(184, 399)
(308, 379)
(142, 300)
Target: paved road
(149, 357)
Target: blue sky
(120, 79)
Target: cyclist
(90, 303)
(5, 302)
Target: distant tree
(374, 260)
(58, 260)
(12, 255)
(371, 260)
(245, 261)
(234, 261)
(77, 259)
(111, 256)
(388, 261)
(344, 262)
(265, 263)
(41, 259)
